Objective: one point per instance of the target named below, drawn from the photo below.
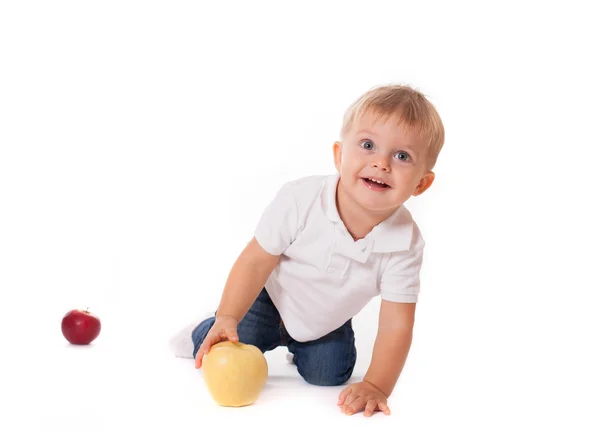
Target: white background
(140, 142)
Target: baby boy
(326, 245)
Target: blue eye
(402, 156)
(367, 144)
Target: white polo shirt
(324, 277)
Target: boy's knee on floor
(318, 377)
(326, 373)
(325, 381)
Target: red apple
(80, 327)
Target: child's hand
(224, 329)
(363, 395)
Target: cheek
(405, 185)
(351, 160)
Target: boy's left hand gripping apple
(80, 327)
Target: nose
(382, 164)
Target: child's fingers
(370, 408)
(205, 348)
(347, 391)
(232, 334)
(199, 359)
(384, 408)
(356, 406)
(347, 404)
(213, 338)
(351, 398)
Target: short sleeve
(400, 281)
(278, 225)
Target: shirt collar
(393, 234)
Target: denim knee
(326, 366)
(321, 378)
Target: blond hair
(413, 109)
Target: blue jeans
(327, 361)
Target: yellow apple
(234, 373)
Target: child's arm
(246, 278)
(394, 337)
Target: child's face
(381, 150)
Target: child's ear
(424, 184)
(337, 155)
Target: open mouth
(374, 184)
